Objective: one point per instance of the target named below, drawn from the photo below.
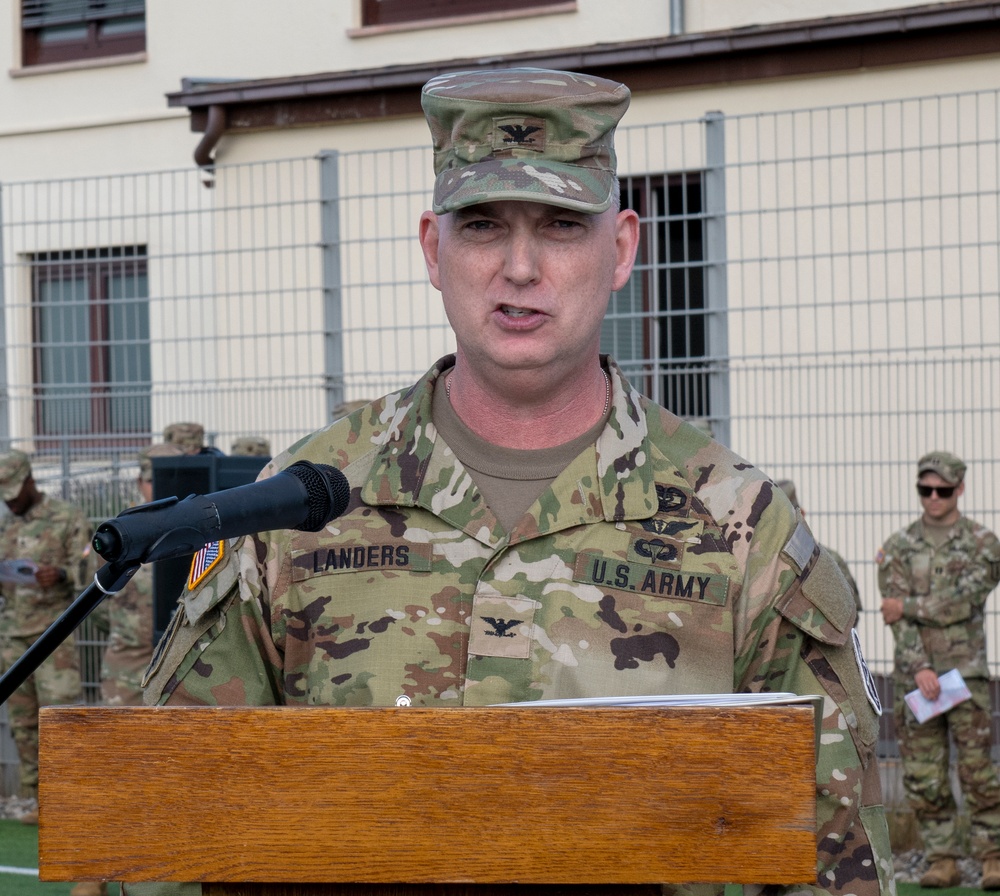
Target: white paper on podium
(754, 699)
(720, 701)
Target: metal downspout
(676, 17)
(214, 130)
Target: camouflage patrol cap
(251, 446)
(147, 454)
(190, 437)
(529, 134)
(15, 468)
(950, 468)
(788, 487)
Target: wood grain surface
(427, 795)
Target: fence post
(4, 385)
(716, 282)
(65, 468)
(333, 329)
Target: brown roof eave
(913, 34)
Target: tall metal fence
(819, 285)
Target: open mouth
(511, 311)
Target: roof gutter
(787, 49)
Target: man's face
(526, 285)
(21, 503)
(936, 507)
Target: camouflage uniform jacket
(944, 592)
(52, 533)
(657, 562)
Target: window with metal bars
(92, 380)
(656, 325)
(54, 31)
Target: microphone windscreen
(328, 492)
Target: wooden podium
(281, 802)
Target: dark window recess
(656, 324)
(92, 373)
(392, 12)
(69, 30)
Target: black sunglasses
(944, 491)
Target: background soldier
(189, 437)
(934, 577)
(55, 536)
(251, 446)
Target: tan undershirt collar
(510, 479)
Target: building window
(393, 12)
(55, 31)
(656, 325)
(92, 378)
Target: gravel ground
(910, 866)
(14, 807)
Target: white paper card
(953, 691)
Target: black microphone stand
(142, 534)
(109, 579)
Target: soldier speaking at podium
(524, 524)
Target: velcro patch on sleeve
(821, 603)
(799, 548)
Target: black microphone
(305, 496)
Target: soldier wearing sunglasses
(935, 576)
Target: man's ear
(430, 235)
(626, 246)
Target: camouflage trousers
(55, 681)
(925, 754)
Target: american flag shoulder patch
(204, 562)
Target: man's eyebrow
(479, 210)
(489, 210)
